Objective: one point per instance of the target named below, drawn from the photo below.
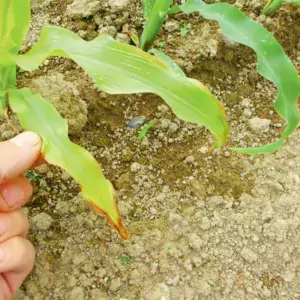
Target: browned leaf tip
(120, 228)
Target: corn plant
(273, 5)
(157, 12)
(115, 68)
(273, 63)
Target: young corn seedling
(273, 63)
(115, 68)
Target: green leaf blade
(168, 60)
(123, 69)
(155, 20)
(40, 116)
(273, 63)
(14, 24)
(266, 149)
(147, 7)
(273, 5)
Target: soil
(204, 225)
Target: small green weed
(126, 259)
(144, 131)
(161, 45)
(184, 30)
(33, 176)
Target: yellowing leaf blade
(40, 116)
(123, 69)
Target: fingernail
(2, 254)
(3, 227)
(13, 196)
(26, 139)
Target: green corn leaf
(273, 5)
(174, 9)
(40, 116)
(168, 60)
(145, 129)
(7, 79)
(14, 24)
(156, 19)
(273, 63)
(118, 68)
(3, 101)
(147, 7)
(266, 149)
(296, 2)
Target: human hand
(16, 252)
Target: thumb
(18, 154)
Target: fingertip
(27, 140)
(14, 194)
(18, 154)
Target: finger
(13, 224)
(18, 154)
(14, 193)
(16, 261)
(5, 293)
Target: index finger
(18, 154)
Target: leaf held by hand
(40, 116)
